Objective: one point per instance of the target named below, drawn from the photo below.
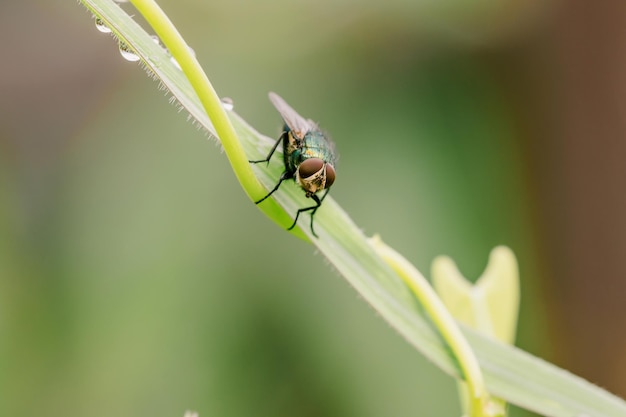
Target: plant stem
(212, 104)
(419, 286)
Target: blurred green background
(136, 279)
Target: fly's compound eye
(330, 175)
(310, 167)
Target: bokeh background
(136, 279)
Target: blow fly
(308, 155)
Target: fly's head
(314, 175)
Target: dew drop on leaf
(101, 26)
(227, 103)
(127, 53)
(176, 64)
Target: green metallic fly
(308, 155)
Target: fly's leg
(312, 209)
(284, 176)
(282, 137)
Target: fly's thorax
(314, 174)
(317, 146)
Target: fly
(308, 155)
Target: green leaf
(509, 373)
(489, 306)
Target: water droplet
(127, 53)
(121, 1)
(227, 103)
(176, 64)
(101, 26)
(155, 39)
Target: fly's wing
(298, 124)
